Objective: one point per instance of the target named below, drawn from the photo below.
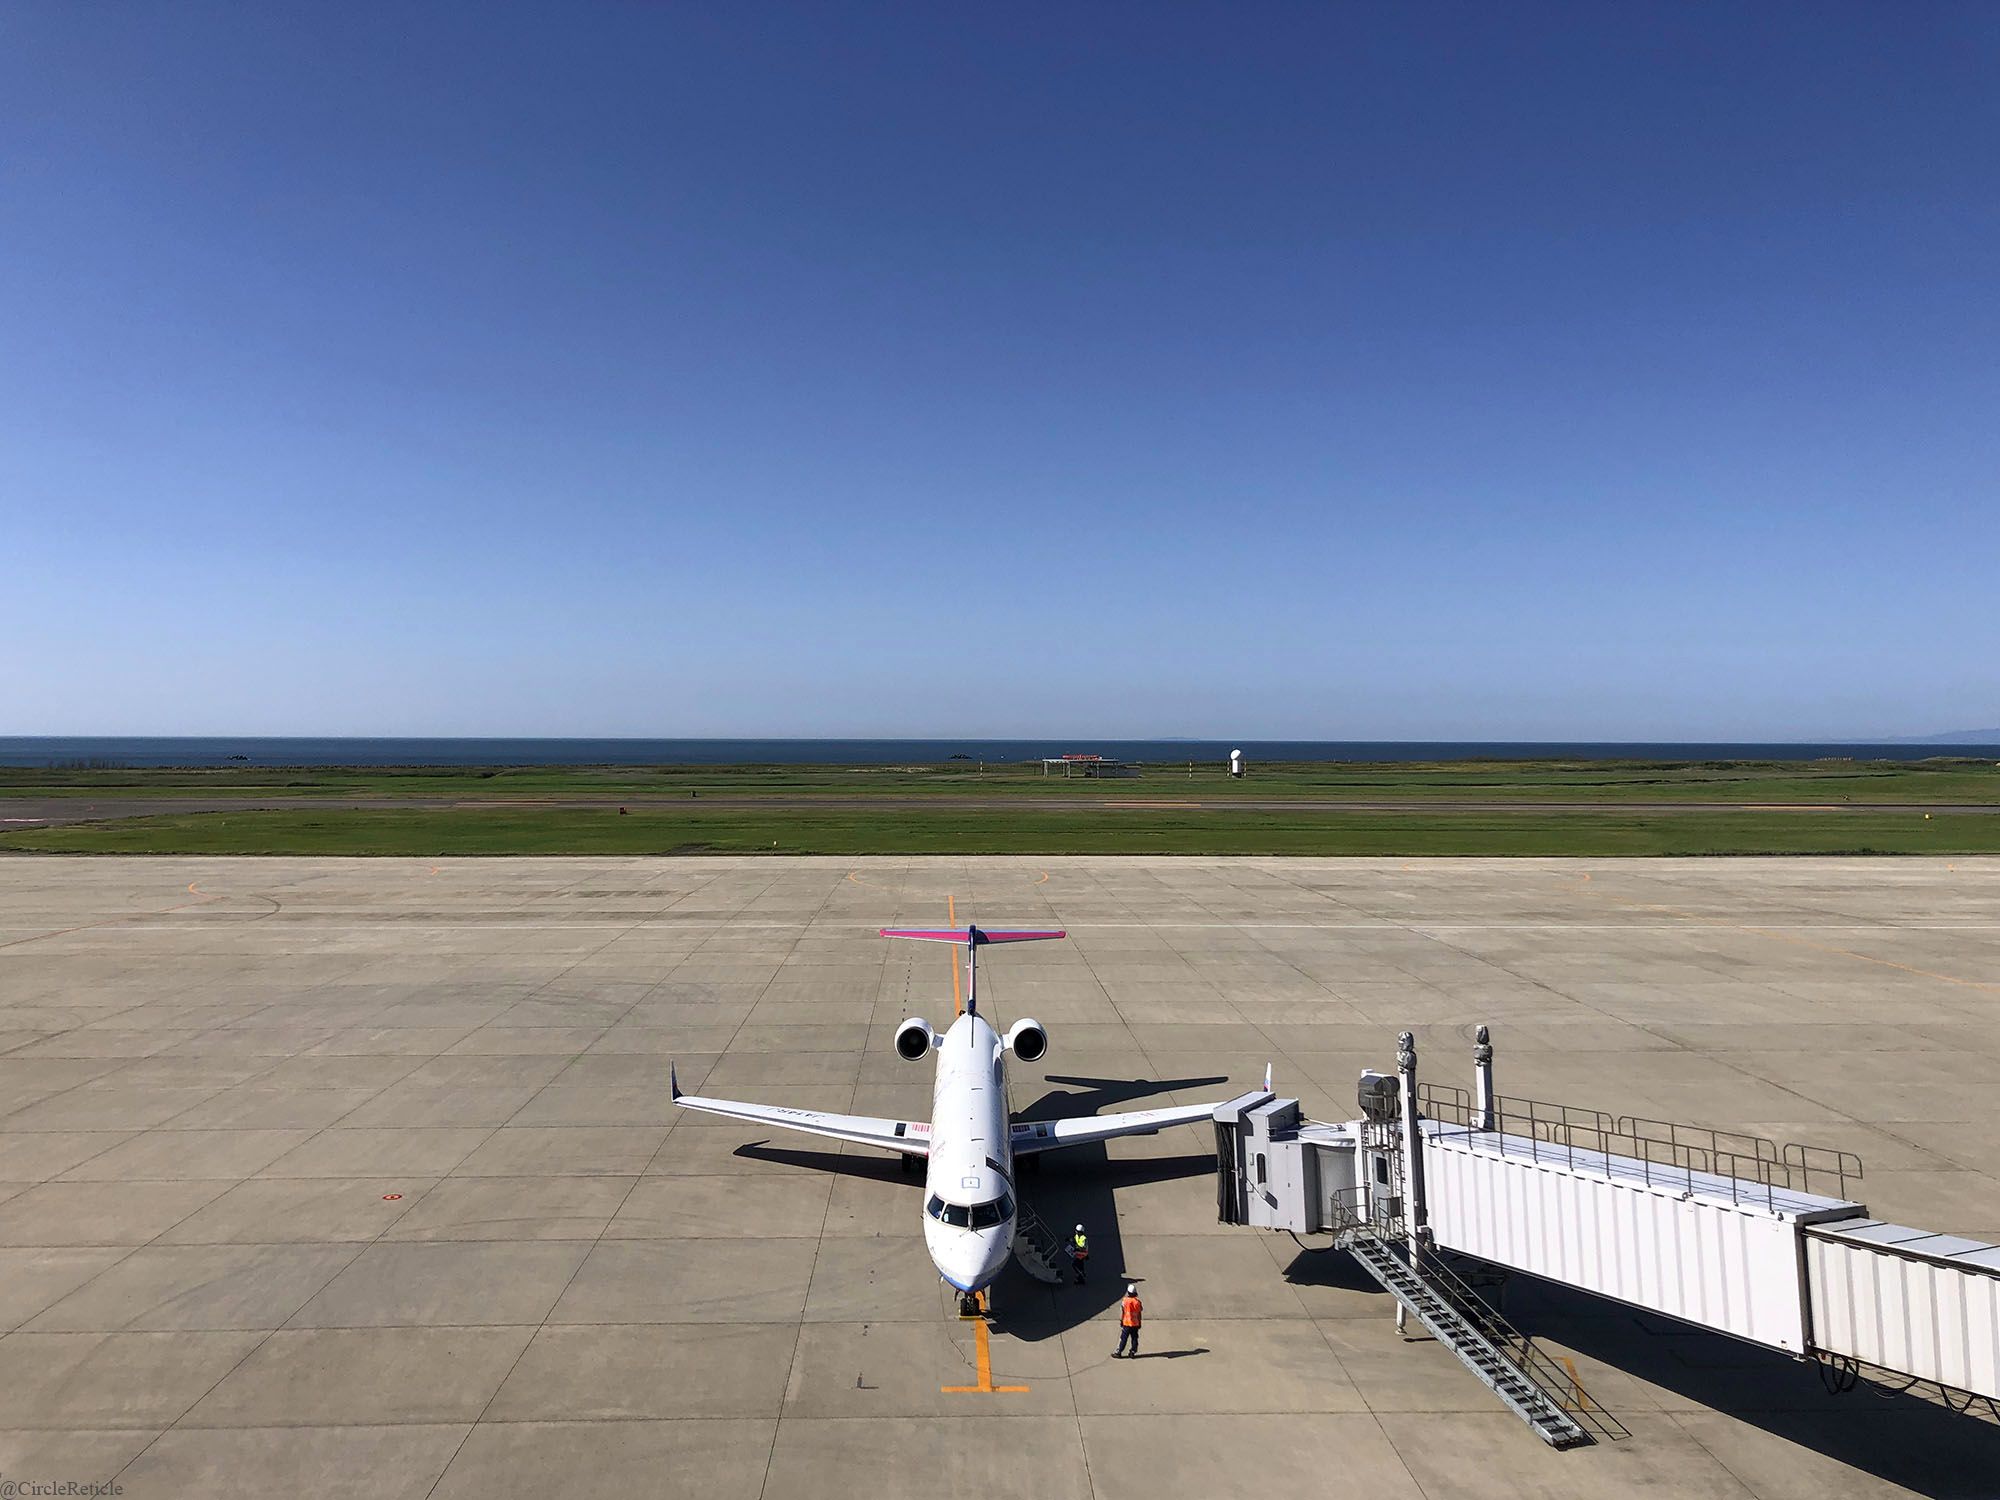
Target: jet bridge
(1729, 1232)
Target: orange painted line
(957, 988)
(1581, 1401)
(983, 1354)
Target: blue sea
(137, 751)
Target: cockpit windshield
(971, 1215)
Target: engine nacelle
(914, 1039)
(1027, 1040)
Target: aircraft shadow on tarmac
(1900, 1438)
(1078, 1185)
(1075, 1185)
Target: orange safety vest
(1128, 1312)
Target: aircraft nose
(973, 1261)
(993, 1252)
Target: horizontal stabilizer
(977, 936)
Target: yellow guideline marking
(981, 1340)
(957, 989)
(983, 1352)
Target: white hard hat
(1131, 1290)
(1079, 1229)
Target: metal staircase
(1036, 1246)
(1541, 1394)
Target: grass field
(1723, 807)
(426, 831)
(1734, 782)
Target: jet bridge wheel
(907, 1164)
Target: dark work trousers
(1128, 1336)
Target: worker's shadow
(1078, 1185)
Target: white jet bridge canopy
(1715, 1250)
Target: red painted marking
(390, 1197)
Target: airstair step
(1469, 1332)
(1036, 1248)
(1034, 1261)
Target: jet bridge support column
(1416, 1218)
(1482, 1081)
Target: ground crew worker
(1130, 1311)
(1079, 1253)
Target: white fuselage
(969, 1179)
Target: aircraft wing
(1048, 1135)
(911, 1137)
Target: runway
(360, 1176)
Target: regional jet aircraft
(970, 1143)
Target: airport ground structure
(361, 1177)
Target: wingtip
(674, 1081)
(1267, 1078)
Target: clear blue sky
(1504, 371)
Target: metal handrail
(1033, 1225)
(1669, 1153)
(1350, 1211)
